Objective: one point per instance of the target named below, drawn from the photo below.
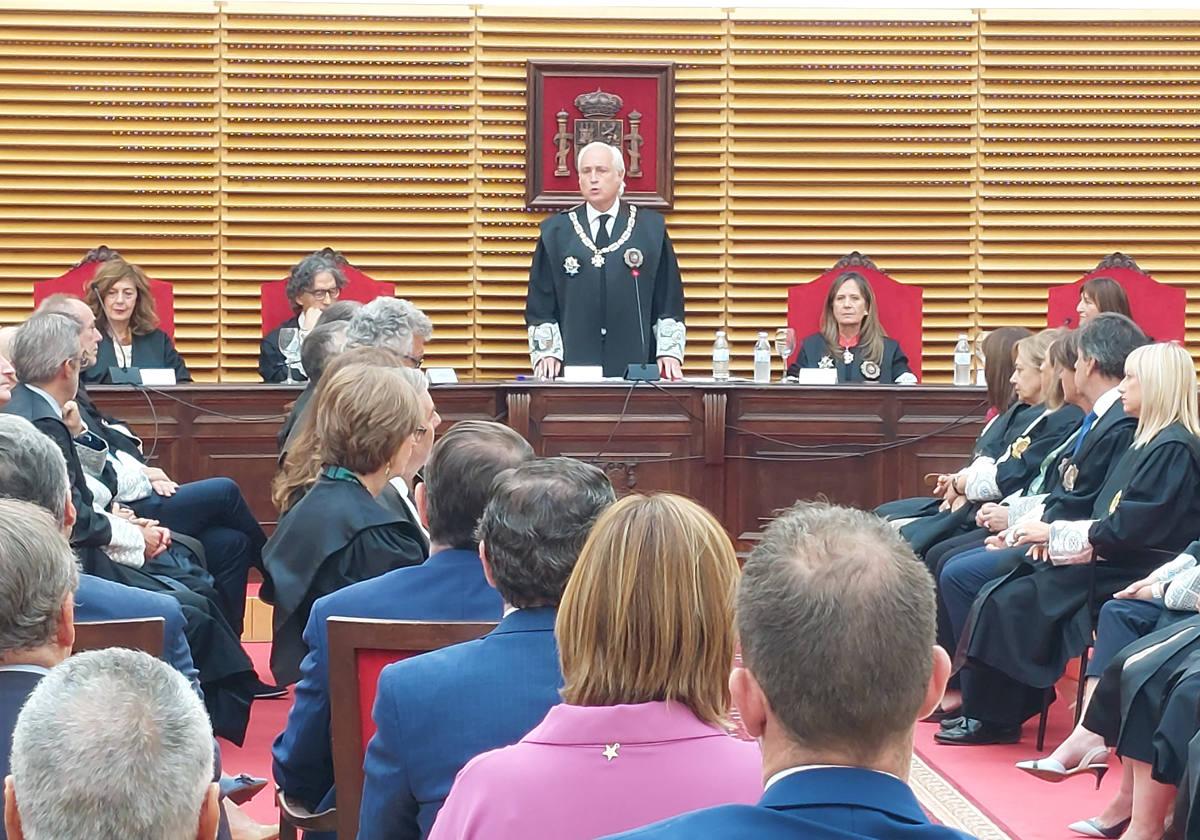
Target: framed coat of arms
(630, 105)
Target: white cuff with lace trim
(128, 546)
(670, 337)
(545, 342)
(1067, 539)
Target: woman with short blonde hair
(1166, 380)
(646, 640)
(361, 431)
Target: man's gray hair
(322, 344)
(112, 744)
(37, 574)
(417, 379)
(32, 467)
(388, 322)
(300, 278)
(535, 524)
(837, 620)
(42, 344)
(1108, 339)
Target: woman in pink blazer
(646, 639)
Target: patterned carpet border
(946, 803)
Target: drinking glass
(785, 346)
(289, 346)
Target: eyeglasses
(326, 294)
(417, 361)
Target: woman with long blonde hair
(646, 641)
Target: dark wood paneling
(742, 450)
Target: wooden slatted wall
(109, 135)
(982, 155)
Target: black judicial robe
(152, 350)
(997, 436)
(596, 309)
(1015, 470)
(814, 353)
(338, 534)
(1030, 623)
(271, 365)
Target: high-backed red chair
(276, 309)
(1160, 310)
(359, 650)
(899, 305)
(74, 282)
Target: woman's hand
(1139, 590)
(1032, 533)
(992, 516)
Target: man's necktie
(602, 239)
(1088, 421)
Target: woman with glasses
(120, 298)
(313, 285)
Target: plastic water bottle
(762, 359)
(721, 357)
(962, 361)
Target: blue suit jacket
(449, 586)
(828, 803)
(15, 687)
(437, 711)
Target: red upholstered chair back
(359, 650)
(74, 282)
(359, 287)
(899, 305)
(1160, 310)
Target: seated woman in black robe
(338, 534)
(313, 285)
(1101, 294)
(852, 340)
(1008, 418)
(120, 297)
(1031, 622)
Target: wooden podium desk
(743, 450)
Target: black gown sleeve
(271, 364)
(91, 528)
(668, 286)
(541, 299)
(376, 551)
(1160, 495)
(172, 359)
(805, 358)
(1016, 472)
(899, 362)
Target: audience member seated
(8, 380)
(833, 709)
(435, 712)
(397, 496)
(1010, 418)
(851, 340)
(646, 640)
(47, 356)
(38, 579)
(321, 346)
(1148, 507)
(990, 479)
(120, 298)
(1072, 485)
(449, 586)
(313, 285)
(211, 510)
(1101, 294)
(337, 534)
(112, 744)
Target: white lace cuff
(1183, 592)
(906, 378)
(1067, 539)
(980, 484)
(670, 337)
(1024, 508)
(132, 483)
(1170, 569)
(545, 342)
(101, 496)
(128, 546)
(93, 453)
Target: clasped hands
(669, 368)
(158, 538)
(1036, 535)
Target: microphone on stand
(643, 371)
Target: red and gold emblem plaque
(630, 105)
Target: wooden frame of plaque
(570, 103)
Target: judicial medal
(1019, 446)
(870, 370)
(634, 258)
(598, 260)
(571, 266)
(1069, 476)
(826, 362)
(1112, 506)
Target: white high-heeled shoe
(1092, 828)
(1094, 761)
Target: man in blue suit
(436, 712)
(449, 586)
(837, 622)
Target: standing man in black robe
(604, 287)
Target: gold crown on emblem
(599, 105)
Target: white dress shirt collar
(1107, 400)
(783, 774)
(401, 486)
(593, 214)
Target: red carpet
(267, 718)
(1019, 804)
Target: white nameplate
(441, 376)
(817, 376)
(157, 377)
(583, 373)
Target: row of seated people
(147, 545)
(851, 337)
(1074, 527)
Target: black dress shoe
(972, 732)
(952, 723)
(939, 715)
(262, 691)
